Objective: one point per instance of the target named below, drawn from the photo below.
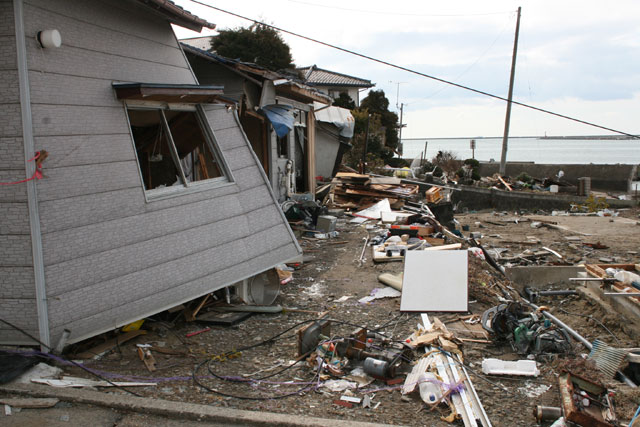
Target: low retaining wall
(478, 198)
(487, 198)
(603, 177)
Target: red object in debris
(395, 381)
(408, 340)
(343, 403)
(190, 334)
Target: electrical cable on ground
(409, 70)
(69, 361)
(307, 387)
(588, 316)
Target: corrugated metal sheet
(337, 116)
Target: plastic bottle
(430, 391)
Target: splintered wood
(352, 190)
(598, 270)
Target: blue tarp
(281, 118)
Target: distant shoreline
(569, 137)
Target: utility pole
(505, 138)
(363, 162)
(400, 130)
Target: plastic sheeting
(337, 116)
(281, 118)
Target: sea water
(531, 149)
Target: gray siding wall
(17, 289)
(210, 73)
(111, 257)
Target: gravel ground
(331, 271)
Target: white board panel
(435, 281)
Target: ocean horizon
(542, 150)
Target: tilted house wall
(85, 239)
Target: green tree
(259, 44)
(377, 103)
(344, 101)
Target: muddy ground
(331, 271)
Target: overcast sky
(577, 58)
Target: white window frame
(187, 187)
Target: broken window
(172, 147)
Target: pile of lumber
(352, 190)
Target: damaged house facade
(294, 130)
(151, 196)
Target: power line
(390, 13)
(409, 70)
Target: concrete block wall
(603, 177)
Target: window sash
(209, 139)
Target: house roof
(314, 76)
(284, 85)
(177, 15)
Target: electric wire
(71, 362)
(588, 316)
(390, 13)
(307, 387)
(409, 70)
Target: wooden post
(311, 152)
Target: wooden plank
(106, 346)
(507, 186)
(30, 402)
(311, 154)
(452, 246)
(351, 175)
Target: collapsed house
(293, 129)
(151, 194)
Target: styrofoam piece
(435, 281)
(375, 211)
(526, 368)
(393, 216)
(379, 293)
(41, 370)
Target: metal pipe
(364, 247)
(622, 294)
(578, 337)
(547, 413)
(254, 308)
(563, 325)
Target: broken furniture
(585, 402)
